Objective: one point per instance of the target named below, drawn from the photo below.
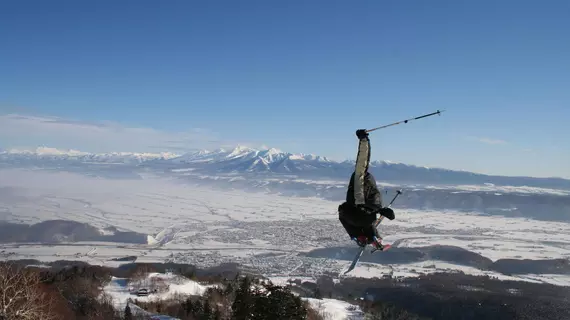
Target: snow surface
(374, 270)
(489, 187)
(270, 233)
(139, 312)
(332, 309)
(118, 289)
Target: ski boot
(377, 245)
(361, 241)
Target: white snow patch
(139, 312)
(106, 232)
(332, 309)
(284, 281)
(499, 190)
(411, 270)
(118, 288)
(183, 170)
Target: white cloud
(488, 140)
(18, 130)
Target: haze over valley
(275, 214)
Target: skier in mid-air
(363, 200)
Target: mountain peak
(273, 151)
(240, 148)
(240, 151)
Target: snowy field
(489, 187)
(267, 232)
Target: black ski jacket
(372, 196)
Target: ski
(359, 254)
(384, 248)
(355, 260)
(362, 248)
(374, 249)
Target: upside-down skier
(358, 213)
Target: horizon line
(21, 150)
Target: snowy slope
(139, 312)
(332, 309)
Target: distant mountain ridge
(271, 161)
(57, 154)
(245, 159)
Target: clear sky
(300, 76)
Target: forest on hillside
(73, 290)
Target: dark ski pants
(357, 223)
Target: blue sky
(300, 76)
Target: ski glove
(361, 134)
(388, 213)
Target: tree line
(74, 291)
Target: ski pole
(399, 192)
(406, 121)
(379, 220)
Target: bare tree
(139, 277)
(22, 296)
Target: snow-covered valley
(311, 176)
(271, 234)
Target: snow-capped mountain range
(240, 152)
(245, 160)
(110, 157)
